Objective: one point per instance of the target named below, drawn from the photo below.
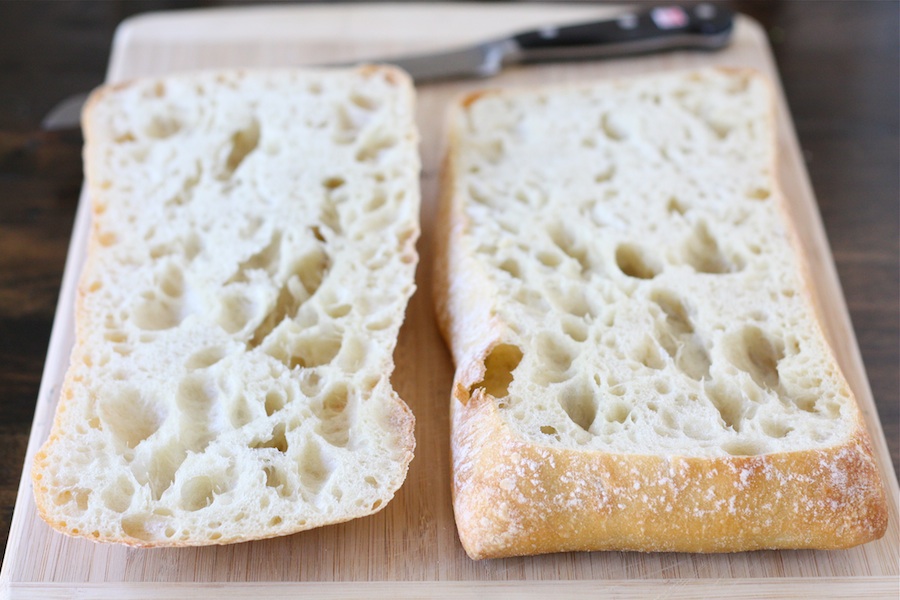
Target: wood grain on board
(414, 538)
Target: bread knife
(702, 27)
(658, 29)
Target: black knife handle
(704, 26)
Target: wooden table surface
(839, 66)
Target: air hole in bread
(195, 395)
(117, 497)
(648, 354)
(205, 358)
(376, 505)
(479, 195)
(371, 481)
(353, 354)
(337, 310)
(511, 267)
(313, 467)
(612, 128)
(198, 492)
(744, 447)
(580, 403)
(378, 323)
(729, 403)
(277, 439)
(719, 128)
(565, 241)
(662, 387)
(278, 480)
(701, 251)
(265, 260)
(551, 431)
(333, 183)
(373, 147)
(831, 409)
(676, 206)
(499, 366)
(106, 238)
(806, 403)
(135, 526)
(240, 413)
(286, 305)
(677, 337)
(759, 193)
(756, 353)
(243, 142)
(311, 269)
(616, 412)
(669, 420)
(186, 193)
(378, 200)
(128, 416)
(549, 259)
(156, 314)
(235, 311)
(124, 138)
(170, 280)
(334, 422)
(310, 383)
(330, 218)
(160, 471)
(636, 262)
(605, 175)
(346, 128)
(121, 350)
(195, 398)
(554, 352)
(575, 328)
(275, 400)
(316, 348)
(116, 337)
(162, 126)
(775, 429)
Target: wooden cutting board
(410, 549)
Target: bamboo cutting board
(410, 549)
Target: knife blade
(658, 29)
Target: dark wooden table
(838, 62)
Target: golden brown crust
(514, 497)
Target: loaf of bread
(639, 364)
(250, 261)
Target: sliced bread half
(639, 364)
(251, 257)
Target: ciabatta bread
(251, 257)
(638, 362)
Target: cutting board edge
(825, 588)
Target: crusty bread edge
(401, 417)
(572, 500)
